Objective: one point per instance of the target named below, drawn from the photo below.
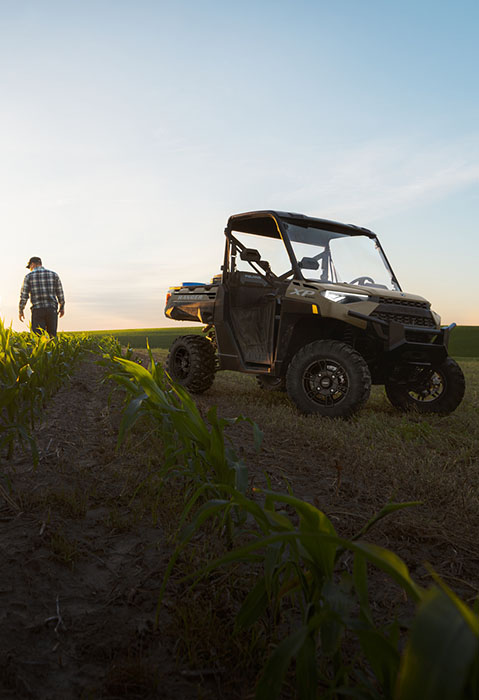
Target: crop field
(156, 337)
(464, 339)
(156, 545)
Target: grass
(464, 339)
(379, 455)
(64, 549)
(351, 468)
(67, 503)
(402, 451)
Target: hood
(369, 290)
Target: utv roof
(264, 222)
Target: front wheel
(191, 362)
(439, 390)
(328, 377)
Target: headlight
(342, 297)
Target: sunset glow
(131, 131)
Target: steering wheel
(362, 280)
(285, 275)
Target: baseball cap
(35, 259)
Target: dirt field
(81, 559)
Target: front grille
(403, 302)
(405, 319)
(407, 312)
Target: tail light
(170, 292)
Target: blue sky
(130, 131)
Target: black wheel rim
(430, 390)
(181, 363)
(326, 382)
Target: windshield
(329, 256)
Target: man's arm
(60, 296)
(24, 293)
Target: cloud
(379, 178)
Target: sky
(131, 130)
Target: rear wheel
(328, 377)
(438, 390)
(191, 362)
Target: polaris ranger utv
(313, 307)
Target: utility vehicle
(313, 307)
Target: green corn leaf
(383, 656)
(279, 521)
(313, 522)
(257, 432)
(274, 672)
(24, 374)
(215, 444)
(253, 606)
(269, 501)
(306, 670)
(360, 578)
(142, 376)
(258, 437)
(126, 382)
(469, 615)
(245, 553)
(337, 604)
(130, 416)
(188, 420)
(152, 359)
(252, 507)
(390, 563)
(272, 560)
(440, 651)
(241, 476)
(248, 552)
(384, 512)
(212, 508)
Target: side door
(253, 294)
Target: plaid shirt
(44, 288)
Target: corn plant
(194, 447)
(305, 563)
(32, 368)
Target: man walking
(44, 289)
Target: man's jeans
(46, 319)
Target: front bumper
(409, 344)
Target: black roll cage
(272, 223)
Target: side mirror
(309, 264)
(264, 265)
(250, 255)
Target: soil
(80, 574)
(79, 588)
